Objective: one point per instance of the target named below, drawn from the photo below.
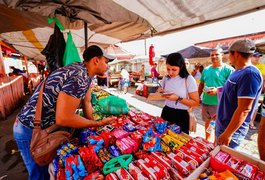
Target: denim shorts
(22, 135)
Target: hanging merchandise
(151, 55)
(55, 47)
(71, 53)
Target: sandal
(253, 127)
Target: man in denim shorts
(239, 97)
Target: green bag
(71, 54)
(113, 105)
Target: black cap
(94, 50)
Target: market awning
(23, 23)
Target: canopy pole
(85, 26)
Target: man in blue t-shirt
(239, 97)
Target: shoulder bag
(45, 142)
(193, 120)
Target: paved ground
(11, 164)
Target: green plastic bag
(70, 54)
(113, 105)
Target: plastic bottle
(211, 127)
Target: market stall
(141, 146)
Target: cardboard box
(257, 162)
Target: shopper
(255, 60)
(154, 73)
(213, 76)
(182, 92)
(239, 97)
(142, 74)
(261, 133)
(64, 90)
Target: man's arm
(261, 135)
(65, 114)
(239, 116)
(87, 106)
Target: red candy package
(259, 176)
(192, 162)
(247, 169)
(222, 156)
(159, 168)
(162, 158)
(179, 164)
(234, 162)
(111, 176)
(136, 173)
(94, 175)
(193, 147)
(123, 174)
(204, 141)
(192, 154)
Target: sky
(245, 24)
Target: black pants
(177, 116)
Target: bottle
(211, 127)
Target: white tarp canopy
(23, 23)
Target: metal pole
(145, 53)
(85, 26)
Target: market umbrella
(194, 52)
(119, 52)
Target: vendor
(142, 74)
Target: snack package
(179, 137)
(160, 125)
(93, 175)
(119, 133)
(175, 174)
(192, 154)
(222, 156)
(174, 128)
(147, 169)
(228, 175)
(192, 162)
(129, 127)
(179, 164)
(200, 145)
(162, 158)
(204, 141)
(124, 147)
(136, 173)
(259, 176)
(112, 176)
(195, 148)
(123, 174)
(113, 149)
(159, 168)
(234, 162)
(104, 155)
(171, 142)
(248, 170)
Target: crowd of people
(232, 110)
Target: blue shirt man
(239, 97)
